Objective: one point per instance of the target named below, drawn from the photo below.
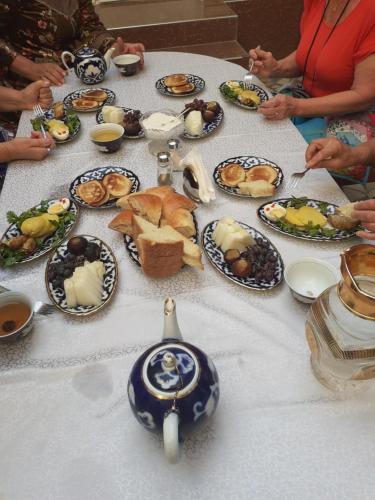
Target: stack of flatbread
(98, 192)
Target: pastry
(123, 222)
(232, 174)
(84, 104)
(147, 206)
(160, 191)
(182, 89)
(257, 188)
(95, 95)
(91, 192)
(261, 172)
(117, 184)
(101, 202)
(174, 201)
(58, 110)
(182, 221)
(175, 80)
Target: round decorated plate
(69, 220)
(97, 174)
(261, 93)
(325, 234)
(247, 162)
(197, 81)
(99, 119)
(208, 127)
(70, 119)
(132, 249)
(77, 94)
(216, 257)
(110, 279)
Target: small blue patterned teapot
(173, 386)
(89, 64)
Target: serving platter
(329, 208)
(49, 114)
(97, 174)
(197, 81)
(132, 249)
(77, 94)
(247, 162)
(261, 93)
(50, 241)
(99, 119)
(216, 258)
(208, 128)
(110, 279)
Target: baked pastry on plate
(232, 174)
(117, 184)
(92, 192)
(175, 80)
(95, 95)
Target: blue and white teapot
(89, 64)
(173, 386)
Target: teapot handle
(170, 437)
(63, 55)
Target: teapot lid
(87, 51)
(171, 371)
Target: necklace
(326, 40)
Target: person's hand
(365, 212)
(328, 153)
(122, 47)
(279, 107)
(264, 62)
(30, 148)
(37, 93)
(47, 71)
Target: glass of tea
(16, 316)
(107, 137)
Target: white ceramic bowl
(25, 329)
(127, 64)
(308, 278)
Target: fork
(39, 113)
(39, 307)
(248, 78)
(295, 179)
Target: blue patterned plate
(208, 128)
(97, 174)
(132, 249)
(247, 162)
(262, 94)
(110, 278)
(99, 119)
(197, 81)
(48, 243)
(216, 257)
(77, 94)
(297, 233)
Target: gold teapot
(340, 326)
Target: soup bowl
(127, 64)
(107, 137)
(16, 316)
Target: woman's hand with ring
(279, 107)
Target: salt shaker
(164, 169)
(174, 148)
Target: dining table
(67, 431)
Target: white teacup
(128, 64)
(16, 323)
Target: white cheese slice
(70, 294)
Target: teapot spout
(107, 57)
(171, 328)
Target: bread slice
(160, 191)
(181, 220)
(173, 201)
(159, 256)
(257, 188)
(191, 252)
(147, 206)
(123, 222)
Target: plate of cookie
(180, 85)
(88, 100)
(102, 187)
(248, 176)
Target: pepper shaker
(174, 150)
(164, 175)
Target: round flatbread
(84, 104)
(261, 172)
(117, 185)
(183, 89)
(232, 174)
(92, 192)
(175, 80)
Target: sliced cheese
(70, 294)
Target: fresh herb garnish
(230, 93)
(70, 119)
(9, 257)
(12, 218)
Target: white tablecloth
(67, 431)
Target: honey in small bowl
(13, 316)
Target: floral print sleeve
(92, 30)
(7, 52)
